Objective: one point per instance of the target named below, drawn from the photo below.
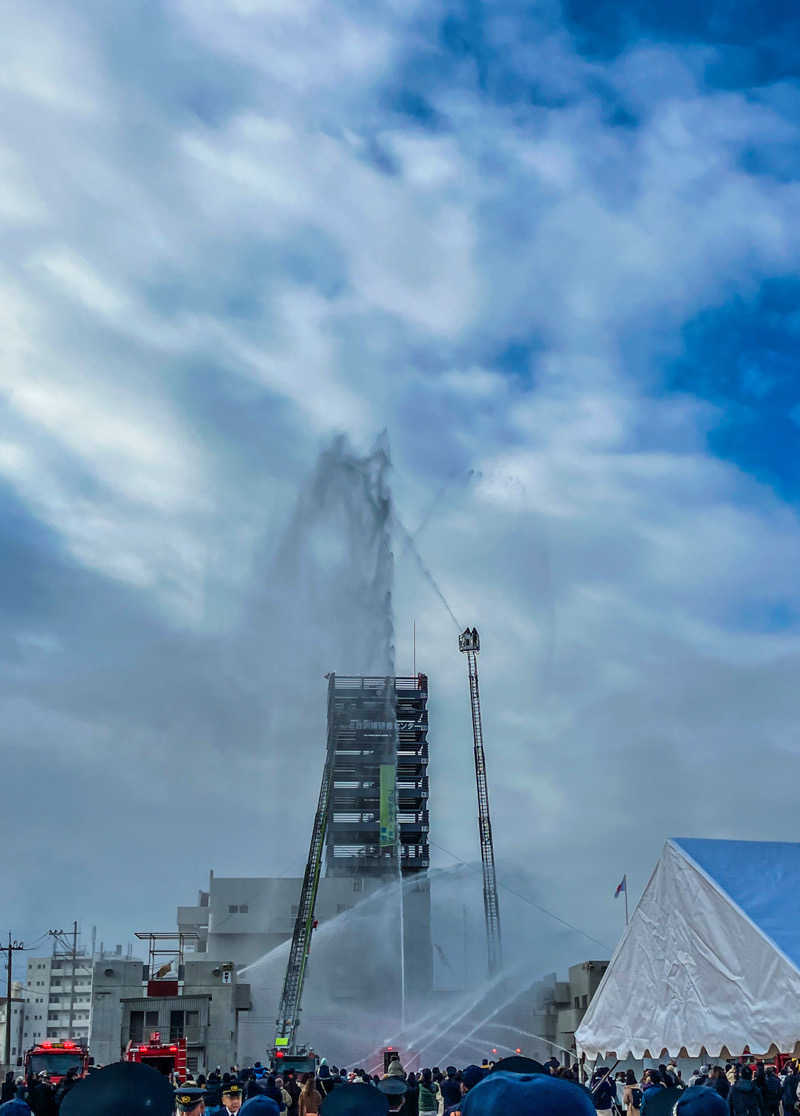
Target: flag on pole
(622, 886)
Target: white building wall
(17, 1024)
(49, 987)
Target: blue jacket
(648, 1092)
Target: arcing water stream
(328, 606)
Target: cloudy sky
(552, 250)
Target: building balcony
(195, 1036)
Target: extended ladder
(469, 642)
(291, 998)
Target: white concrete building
(54, 986)
(52, 990)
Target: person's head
(309, 1084)
(701, 1101)
(527, 1094)
(260, 1106)
(427, 1077)
(394, 1089)
(630, 1077)
(232, 1097)
(470, 1076)
(746, 1073)
(451, 1071)
(354, 1100)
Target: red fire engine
(165, 1057)
(57, 1058)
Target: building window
(577, 1001)
(136, 1026)
(151, 1019)
(192, 1062)
(233, 908)
(176, 1026)
(585, 1002)
(243, 908)
(358, 885)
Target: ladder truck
(469, 642)
(285, 1049)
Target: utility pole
(59, 936)
(10, 949)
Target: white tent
(710, 962)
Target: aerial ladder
(292, 995)
(469, 642)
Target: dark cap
(232, 1090)
(392, 1086)
(701, 1101)
(355, 1100)
(260, 1106)
(187, 1098)
(527, 1094)
(472, 1075)
(124, 1088)
(517, 1063)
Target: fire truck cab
(302, 1060)
(165, 1057)
(57, 1058)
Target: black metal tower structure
(378, 730)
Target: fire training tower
(372, 814)
(378, 734)
(469, 642)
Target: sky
(547, 256)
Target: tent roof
(711, 958)
(763, 880)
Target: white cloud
(208, 279)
